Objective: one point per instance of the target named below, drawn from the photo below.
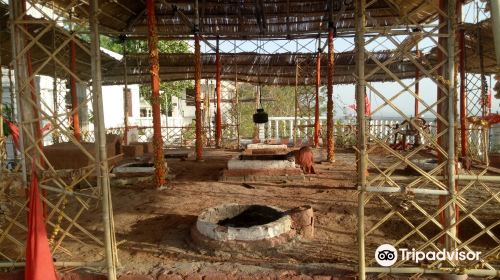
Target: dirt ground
(152, 226)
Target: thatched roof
(472, 43)
(277, 69)
(250, 19)
(249, 67)
(50, 41)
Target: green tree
(167, 89)
(277, 101)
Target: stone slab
(236, 163)
(266, 146)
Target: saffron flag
(14, 131)
(368, 106)
(39, 263)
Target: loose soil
(153, 226)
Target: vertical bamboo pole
(451, 211)
(361, 131)
(495, 15)
(218, 116)
(296, 107)
(237, 98)
(3, 151)
(55, 136)
(329, 105)
(318, 85)
(74, 97)
(101, 157)
(417, 83)
(197, 84)
(441, 106)
(125, 96)
(197, 88)
(463, 98)
(33, 91)
(19, 71)
(484, 91)
(12, 104)
(154, 65)
(11, 93)
(440, 72)
(206, 119)
(1, 111)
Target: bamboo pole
(197, 84)
(495, 15)
(154, 65)
(197, 88)
(385, 189)
(125, 96)
(14, 12)
(55, 136)
(440, 107)
(330, 142)
(237, 99)
(218, 116)
(58, 264)
(74, 96)
(31, 79)
(484, 91)
(3, 152)
(296, 105)
(101, 163)
(316, 105)
(417, 84)
(421, 270)
(451, 211)
(463, 97)
(361, 135)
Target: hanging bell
(260, 116)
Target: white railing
(170, 121)
(283, 127)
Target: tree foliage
(167, 89)
(277, 101)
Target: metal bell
(260, 116)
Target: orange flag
(14, 131)
(39, 263)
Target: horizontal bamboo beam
(414, 270)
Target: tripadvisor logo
(387, 255)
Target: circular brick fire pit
(241, 225)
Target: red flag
(14, 131)
(368, 106)
(46, 128)
(39, 263)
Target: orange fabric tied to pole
(14, 131)
(368, 106)
(39, 263)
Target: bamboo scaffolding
(101, 164)
(361, 165)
